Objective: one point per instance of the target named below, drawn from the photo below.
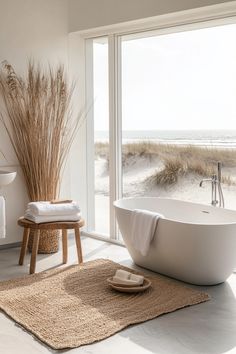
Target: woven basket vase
(48, 241)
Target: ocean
(212, 138)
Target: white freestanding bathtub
(195, 243)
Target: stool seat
(57, 225)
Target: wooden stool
(59, 225)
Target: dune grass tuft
(169, 174)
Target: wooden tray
(130, 288)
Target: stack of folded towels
(122, 277)
(40, 212)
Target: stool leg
(34, 251)
(78, 245)
(24, 245)
(64, 246)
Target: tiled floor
(208, 328)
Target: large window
(179, 113)
(164, 114)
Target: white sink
(6, 177)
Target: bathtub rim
(116, 205)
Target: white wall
(28, 29)
(85, 14)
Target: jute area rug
(72, 306)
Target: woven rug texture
(72, 306)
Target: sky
(184, 80)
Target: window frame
(208, 16)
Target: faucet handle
(214, 178)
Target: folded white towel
(123, 277)
(2, 218)
(46, 208)
(143, 227)
(40, 219)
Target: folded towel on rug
(47, 209)
(125, 282)
(51, 218)
(123, 277)
(2, 218)
(143, 227)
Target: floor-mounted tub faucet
(215, 187)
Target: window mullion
(114, 126)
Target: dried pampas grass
(39, 123)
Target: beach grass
(177, 160)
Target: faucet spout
(205, 180)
